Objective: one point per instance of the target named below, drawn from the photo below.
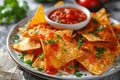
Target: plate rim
(44, 75)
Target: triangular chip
(58, 50)
(99, 28)
(59, 3)
(99, 56)
(26, 44)
(38, 18)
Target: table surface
(112, 7)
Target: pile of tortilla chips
(94, 47)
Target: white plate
(14, 55)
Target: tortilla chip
(59, 3)
(38, 18)
(93, 61)
(99, 19)
(38, 63)
(26, 44)
(117, 28)
(29, 55)
(58, 50)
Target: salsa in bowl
(68, 17)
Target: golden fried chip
(99, 56)
(59, 3)
(38, 18)
(117, 28)
(99, 28)
(38, 63)
(26, 44)
(58, 50)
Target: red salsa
(67, 15)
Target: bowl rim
(82, 8)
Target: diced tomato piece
(51, 70)
(51, 34)
(41, 37)
(113, 48)
(92, 58)
(55, 46)
(69, 67)
(66, 36)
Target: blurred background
(12, 11)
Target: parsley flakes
(100, 28)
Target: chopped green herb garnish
(57, 41)
(100, 28)
(95, 21)
(85, 74)
(17, 41)
(41, 56)
(22, 56)
(112, 23)
(59, 36)
(29, 62)
(77, 73)
(51, 41)
(70, 66)
(59, 74)
(64, 50)
(99, 51)
(118, 60)
(16, 37)
(41, 70)
(36, 32)
(80, 42)
(95, 34)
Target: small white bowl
(69, 26)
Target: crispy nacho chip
(59, 3)
(58, 50)
(117, 28)
(99, 28)
(98, 57)
(38, 18)
(26, 44)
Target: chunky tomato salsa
(67, 15)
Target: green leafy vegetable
(36, 31)
(11, 11)
(94, 33)
(22, 56)
(16, 39)
(41, 70)
(64, 50)
(60, 74)
(59, 36)
(80, 42)
(95, 21)
(51, 41)
(100, 28)
(29, 62)
(70, 66)
(112, 23)
(41, 56)
(99, 51)
(77, 73)
(118, 60)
